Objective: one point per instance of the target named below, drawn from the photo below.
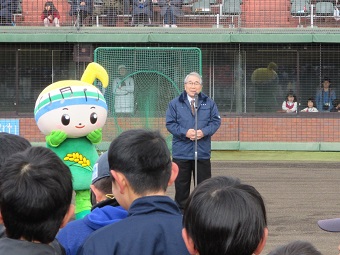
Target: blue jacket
(73, 235)
(179, 119)
(153, 227)
(322, 98)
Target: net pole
(196, 119)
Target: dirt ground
(296, 194)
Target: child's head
(290, 96)
(35, 195)
(10, 144)
(336, 103)
(49, 6)
(310, 102)
(224, 216)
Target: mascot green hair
(71, 114)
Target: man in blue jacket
(141, 168)
(180, 122)
(105, 210)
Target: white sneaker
(173, 25)
(166, 25)
(57, 25)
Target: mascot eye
(65, 119)
(93, 117)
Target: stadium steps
(266, 13)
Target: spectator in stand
(112, 8)
(50, 15)
(142, 12)
(223, 217)
(7, 8)
(105, 210)
(10, 144)
(336, 106)
(325, 96)
(83, 8)
(141, 170)
(310, 106)
(296, 248)
(290, 104)
(35, 197)
(170, 9)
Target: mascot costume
(265, 80)
(71, 114)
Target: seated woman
(83, 8)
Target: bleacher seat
(300, 7)
(231, 7)
(202, 6)
(324, 9)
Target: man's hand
(95, 136)
(56, 137)
(191, 134)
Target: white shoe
(173, 25)
(57, 25)
(166, 25)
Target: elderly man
(180, 122)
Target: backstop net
(142, 82)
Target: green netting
(142, 83)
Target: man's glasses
(190, 83)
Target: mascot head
(75, 107)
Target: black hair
(290, 93)
(312, 100)
(10, 144)
(143, 157)
(104, 185)
(296, 248)
(35, 194)
(225, 217)
(52, 9)
(326, 79)
(336, 102)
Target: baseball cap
(101, 168)
(121, 66)
(330, 225)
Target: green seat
(300, 7)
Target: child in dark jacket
(50, 15)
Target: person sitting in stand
(82, 7)
(170, 9)
(50, 15)
(141, 12)
(290, 104)
(7, 8)
(310, 106)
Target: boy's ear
(262, 242)
(189, 243)
(1, 220)
(69, 214)
(120, 180)
(174, 173)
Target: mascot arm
(56, 137)
(95, 136)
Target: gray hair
(193, 74)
